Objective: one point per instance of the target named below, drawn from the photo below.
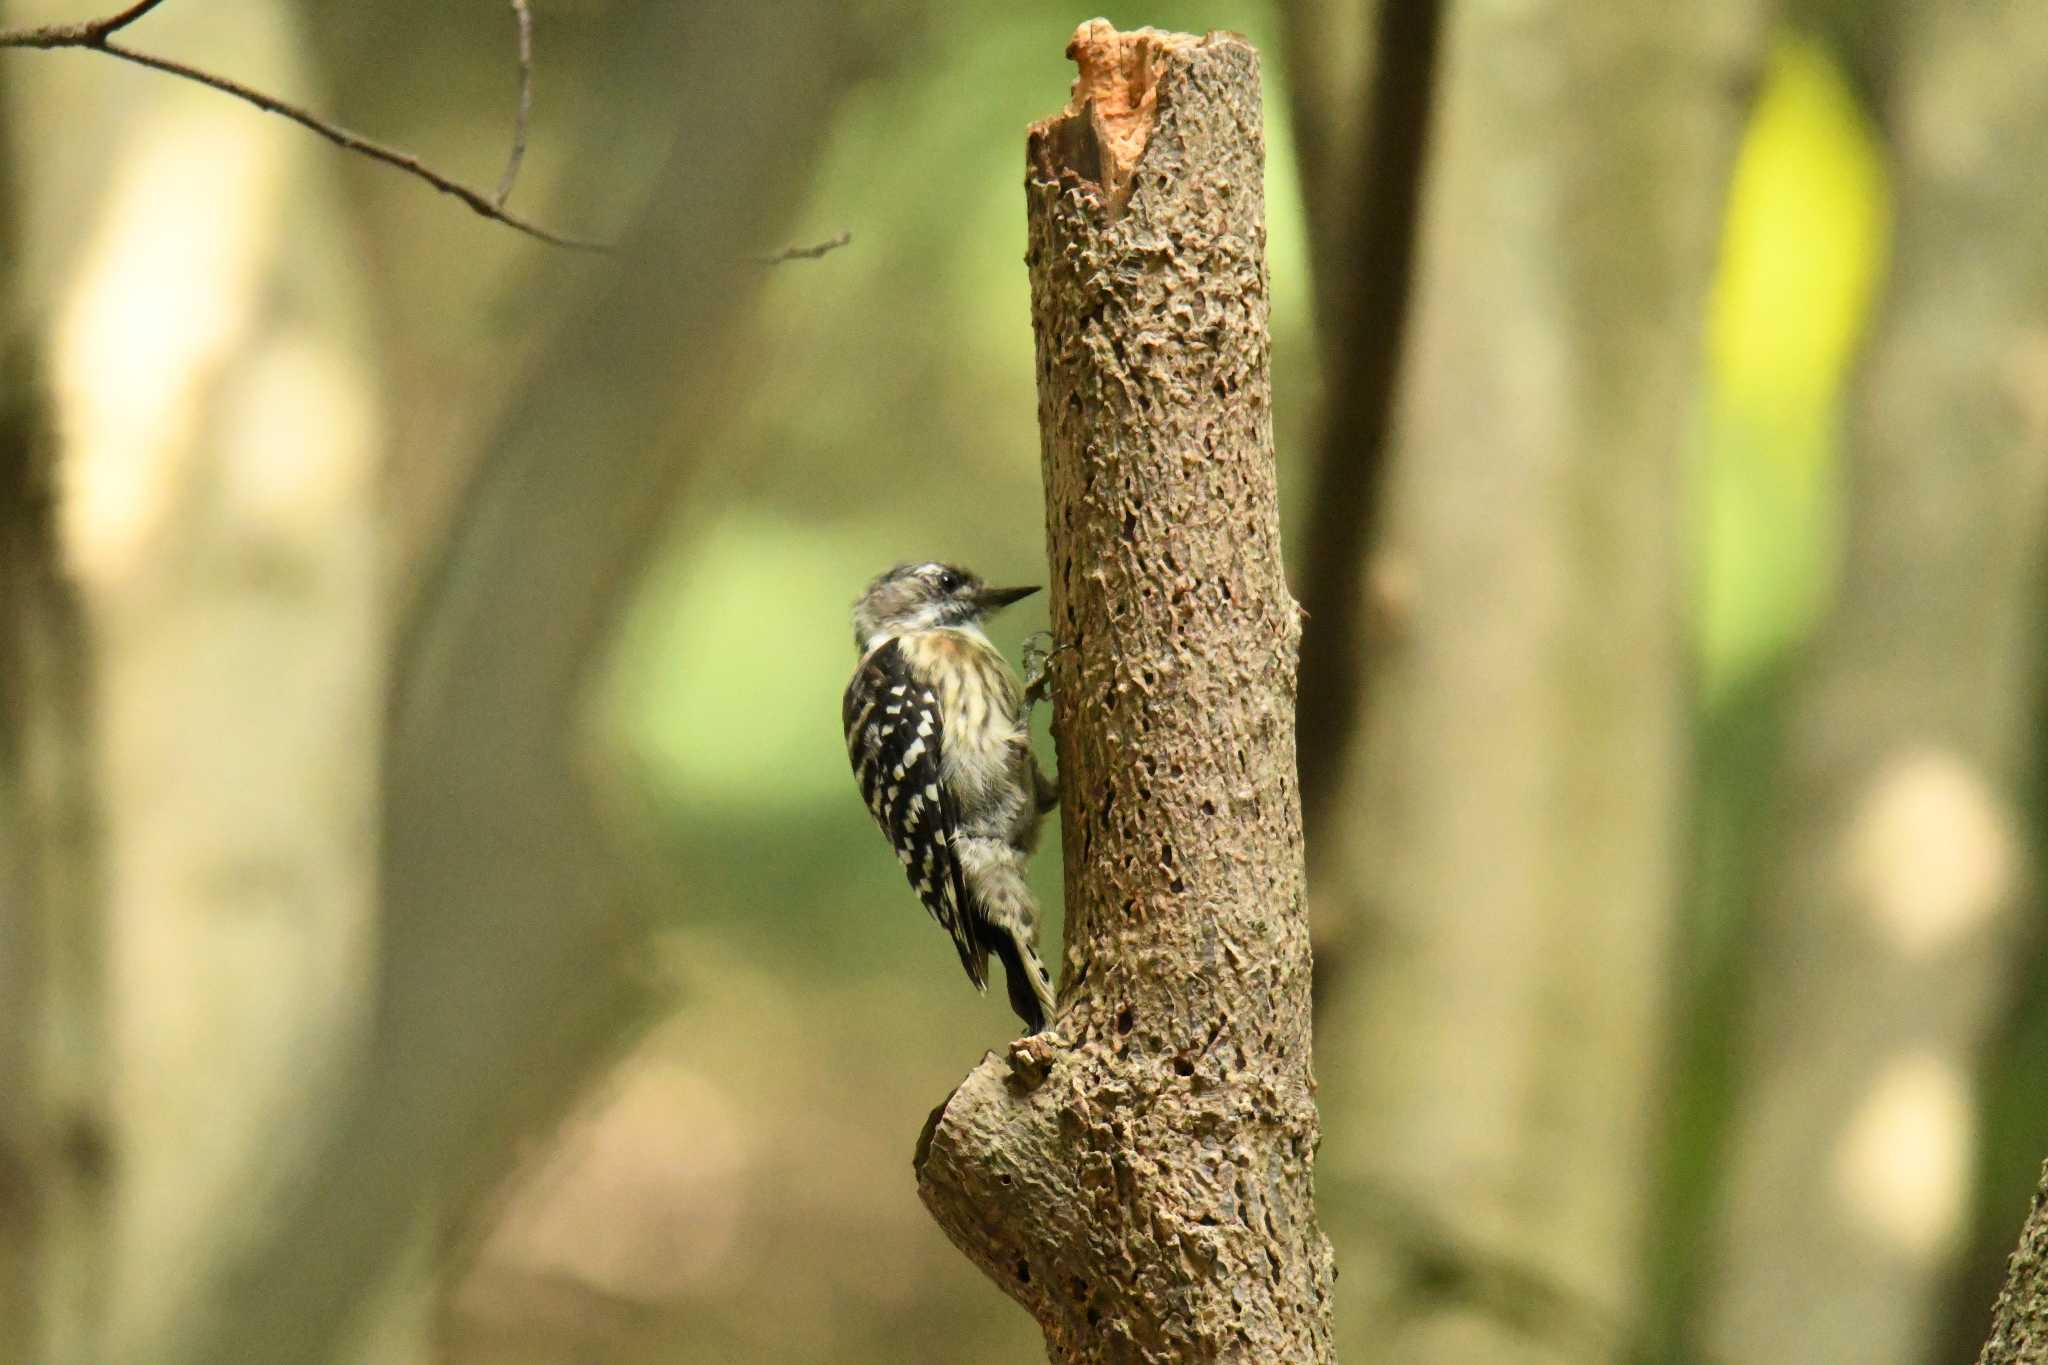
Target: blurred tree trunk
(1887, 929)
(1506, 839)
(215, 391)
(1363, 82)
(1140, 1179)
(54, 1128)
(2019, 1323)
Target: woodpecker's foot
(1038, 665)
(1031, 1058)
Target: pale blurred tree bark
(216, 399)
(55, 1155)
(1506, 843)
(1887, 929)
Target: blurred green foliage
(1802, 252)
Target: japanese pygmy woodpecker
(939, 735)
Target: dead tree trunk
(1140, 1179)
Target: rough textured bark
(1886, 934)
(1507, 842)
(2019, 1322)
(1140, 1179)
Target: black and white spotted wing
(895, 738)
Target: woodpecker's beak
(994, 599)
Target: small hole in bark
(1079, 1286)
(1130, 526)
(1208, 808)
(1004, 1178)
(1125, 1020)
(1207, 1220)
(1183, 1067)
(1176, 886)
(1094, 1317)
(1024, 1272)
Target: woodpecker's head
(912, 597)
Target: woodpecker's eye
(949, 581)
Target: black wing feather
(895, 739)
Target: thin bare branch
(114, 23)
(93, 36)
(518, 153)
(806, 253)
(86, 33)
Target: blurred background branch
(1364, 82)
(523, 17)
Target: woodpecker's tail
(1006, 922)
